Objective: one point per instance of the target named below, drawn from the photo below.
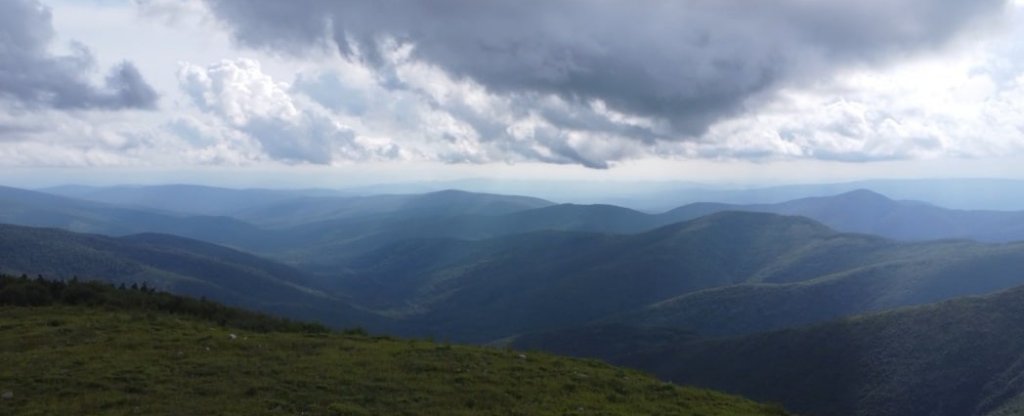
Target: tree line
(39, 291)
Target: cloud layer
(690, 63)
(595, 83)
(287, 128)
(31, 76)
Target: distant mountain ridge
(438, 260)
(294, 207)
(177, 265)
(868, 212)
(726, 273)
(764, 300)
(312, 231)
(185, 199)
(37, 209)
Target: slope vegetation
(959, 357)
(891, 276)
(58, 360)
(174, 264)
(962, 357)
(724, 274)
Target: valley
(682, 294)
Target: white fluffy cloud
(287, 128)
(964, 104)
(404, 98)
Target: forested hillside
(174, 355)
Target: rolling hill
(177, 356)
(473, 277)
(868, 212)
(959, 357)
(185, 199)
(890, 277)
(37, 209)
(478, 291)
(724, 274)
(319, 228)
(174, 264)
(327, 246)
(435, 204)
(282, 208)
(858, 211)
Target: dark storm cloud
(690, 63)
(33, 77)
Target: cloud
(598, 83)
(287, 128)
(437, 117)
(964, 105)
(689, 63)
(33, 77)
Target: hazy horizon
(650, 196)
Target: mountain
(174, 264)
(962, 193)
(435, 204)
(313, 228)
(37, 209)
(883, 276)
(864, 211)
(185, 199)
(438, 273)
(328, 246)
(361, 224)
(179, 356)
(960, 357)
(724, 274)
(459, 214)
(478, 291)
(647, 196)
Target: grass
(93, 360)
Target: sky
(322, 92)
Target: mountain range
(469, 215)
(727, 273)
(731, 297)
(774, 272)
(959, 357)
(174, 264)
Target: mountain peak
(742, 222)
(863, 195)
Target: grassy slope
(79, 360)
